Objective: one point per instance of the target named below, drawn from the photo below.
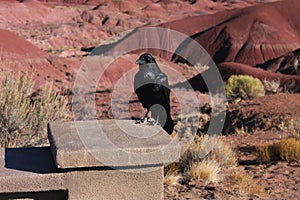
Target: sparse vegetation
(292, 126)
(207, 170)
(23, 119)
(287, 149)
(241, 87)
(264, 152)
(272, 86)
(244, 184)
(203, 160)
(171, 178)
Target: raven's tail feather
(169, 125)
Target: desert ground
(261, 38)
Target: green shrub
(23, 120)
(243, 87)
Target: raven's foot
(145, 119)
(142, 120)
(153, 122)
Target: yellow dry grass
(207, 170)
(287, 149)
(244, 184)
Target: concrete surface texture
(114, 143)
(31, 173)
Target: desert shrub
(50, 106)
(272, 86)
(243, 87)
(16, 109)
(292, 126)
(23, 120)
(287, 149)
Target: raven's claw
(142, 120)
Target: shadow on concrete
(35, 159)
(47, 195)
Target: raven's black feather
(152, 87)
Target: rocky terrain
(53, 38)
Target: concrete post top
(113, 143)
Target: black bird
(152, 88)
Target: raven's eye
(148, 59)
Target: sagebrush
(23, 119)
(241, 87)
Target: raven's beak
(138, 62)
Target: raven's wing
(162, 84)
(141, 89)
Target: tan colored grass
(223, 154)
(207, 170)
(286, 149)
(171, 178)
(244, 184)
(264, 152)
(191, 155)
(205, 158)
(209, 147)
(171, 175)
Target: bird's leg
(157, 120)
(142, 120)
(145, 118)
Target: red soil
(283, 64)
(18, 54)
(251, 35)
(228, 69)
(54, 33)
(17, 47)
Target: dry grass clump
(211, 147)
(171, 178)
(207, 170)
(244, 184)
(23, 119)
(264, 152)
(204, 160)
(223, 154)
(171, 174)
(287, 149)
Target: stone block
(113, 143)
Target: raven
(152, 88)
